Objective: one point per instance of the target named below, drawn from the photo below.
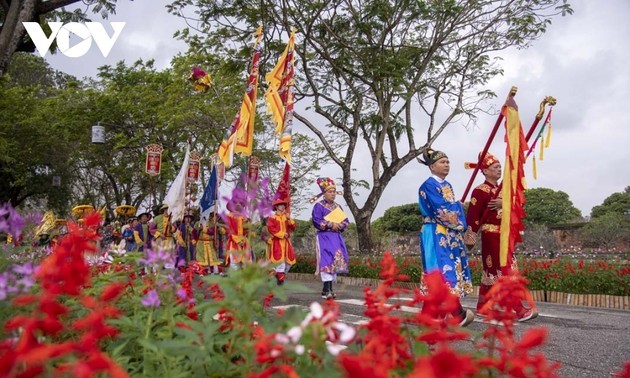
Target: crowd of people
(447, 232)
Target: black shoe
(332, 293)
(325, 294)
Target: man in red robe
(281, 251)
(484, 214)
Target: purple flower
(151, 299)
(255, 199)
(181, 294)
(26, 269)
(10, 221)
(4, 285)
(157, 258)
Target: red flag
(513, 190)
(240, 136)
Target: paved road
(588, 342)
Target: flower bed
(591, 282)
(129, 316)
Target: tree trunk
(364, 232)
(12, 32)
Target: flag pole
(548, 100)
(488, 143)
(541, 111)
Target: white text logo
(61, 32)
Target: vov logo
(87, 32)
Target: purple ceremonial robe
(333, 254)
(145, 238)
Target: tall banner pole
(488, 143)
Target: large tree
(35, 137)
(544, 206)
(383, 77)
(13, 13)
(615, 203)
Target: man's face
(144, 219)
(493, 172)
(330, 194)
(281, 207)
(441, 168)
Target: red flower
(444, 363)
(112, 291)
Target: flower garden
(567, 275)
(63, 314)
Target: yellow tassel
(548, 140)
(542, 148)
(534, 167)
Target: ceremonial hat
(325, 183)
(485, 163)
(164, 206)
(279, 201)
(431, 156)
(145, 213)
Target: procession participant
(281, 251)
(329, 221)
(141, 232)
(484, 214)
(441, 237)
(127, 235)
(237, 247)
(209, 245)
(162, 230)
(186, 237)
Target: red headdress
(486, 162)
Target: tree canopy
(404, 218)
(618, 203)
(545, 206)
(384, 78)
(45, 133)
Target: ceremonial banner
(240, 136)
(513, 190)
(280, 97)
(153, 163)
(175, 198)
(284, 186)
(193, 167)
(209, 198)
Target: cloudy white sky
(582, 61)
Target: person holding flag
(484, 214)
(141, 234)
(162, 230)
(441, 237)
(280, 227)
(186, 236)
(237, 247)
(210, 243)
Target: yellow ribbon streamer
(548, 140)
(534, 167)
(542, 148)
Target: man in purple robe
(329, 221)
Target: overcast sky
(582, 61)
